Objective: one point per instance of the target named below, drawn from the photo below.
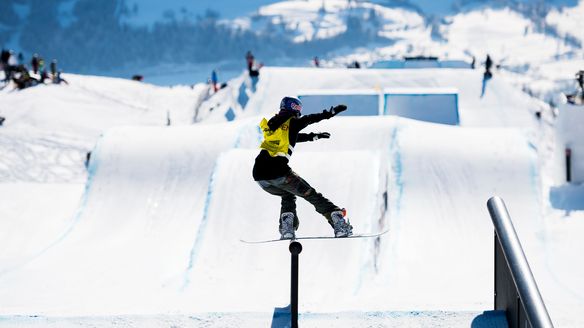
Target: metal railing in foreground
(515, 289)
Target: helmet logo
(296, 107)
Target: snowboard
(357, 235)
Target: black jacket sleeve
(306, 120)
(303, 137)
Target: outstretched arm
(326, 114)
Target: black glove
(322, 135)
(335, 110)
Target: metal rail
(515, 289)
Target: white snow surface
(156, 230)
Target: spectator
(41, 64)
(253, 69)
(53, 68)
(34, 63)
(42, 70)
(8, 63)
(354, 64)
(249, 58)
(580, 79)
(488, 66)
(22, 78)
(58, 79)
(214, 81)
(4, 56)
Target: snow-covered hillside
(284, 33)
(312, 20)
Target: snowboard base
(357, 235)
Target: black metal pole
(295, 249)
(568, 164)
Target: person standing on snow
(214, 81)
(488, 66)
(249, 60)
(580, 80)
(34, 63)
(272, 173)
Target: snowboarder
(272, 173)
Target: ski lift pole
(295, 249)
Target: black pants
(292, 185)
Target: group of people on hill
(16, 70)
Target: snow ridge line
(396, 169)
(202, 228)
(203, 225)
(397, 166)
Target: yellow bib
(277, 143)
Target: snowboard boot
(341, 227)
(287, 230)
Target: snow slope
(157, 230)
(161, 237)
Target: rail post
(295, 249)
